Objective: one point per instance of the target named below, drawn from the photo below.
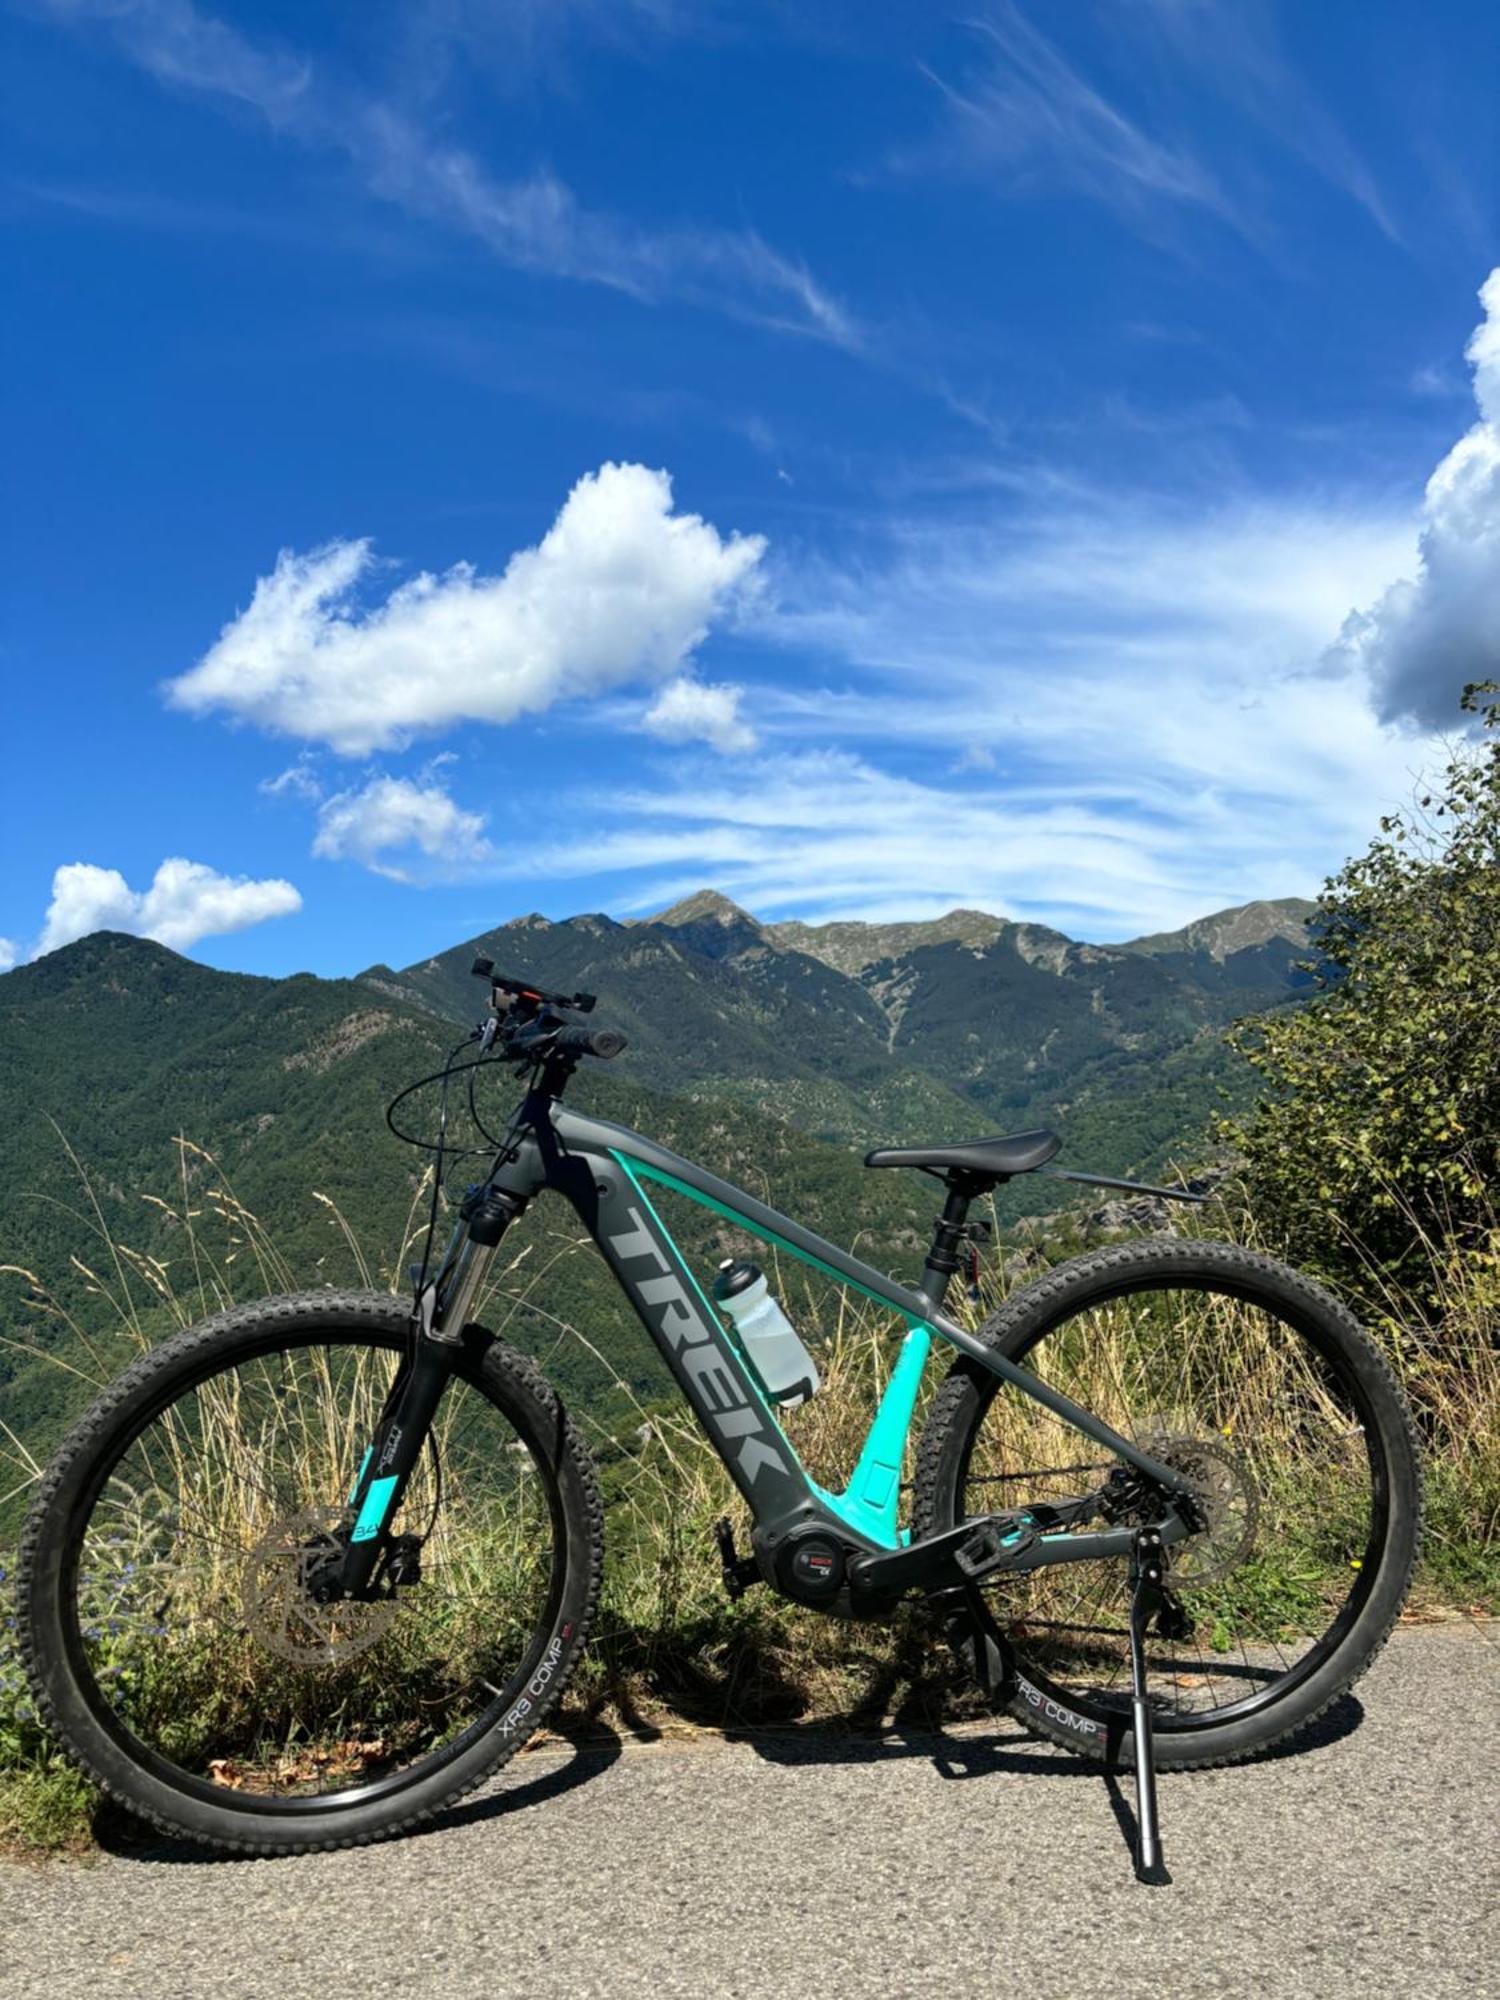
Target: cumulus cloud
(619, 589)
(185, 902)
(389, 814)
(1432, 632)
(9, 953)
(689, 711)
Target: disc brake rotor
(1223, 1488)
(279, 1609)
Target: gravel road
(796, 1864)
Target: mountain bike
(316, 1567)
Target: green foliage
(45, 1803)
(1377, 1144)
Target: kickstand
(1147, 1588)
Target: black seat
(988, 1159)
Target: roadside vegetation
(670, 1650)
(1372, 1158)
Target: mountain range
(775, 1053)
(860, 1032)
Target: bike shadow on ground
(914, 1702)
(981, 1748)
(746, 1695)
(985, 1749)
(559, 1763)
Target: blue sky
(466, 458)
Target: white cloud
(1101, 853)
(1235, 47)
(538, 225)
(1433, 631)
(689, 711)
(10, 951)
(534, 223)
(299, 780)
(620, 589)
(1026, 108)
(193, 51)
(1088, 633)
(1103, 712)
(389, 814)
(185, 902)
(1027, 118)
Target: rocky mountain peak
(702, 907)
(853, 946)
(1239, 929)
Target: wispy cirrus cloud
(1107, 714)
(830, 834)
(1234, 45)
(1023, 115)
(532, 222)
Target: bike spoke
(194, 1606)
(1276, 1434)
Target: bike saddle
(991, 1159)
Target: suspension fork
(438, 1325)
(393, 1454)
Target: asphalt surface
(795, 1864)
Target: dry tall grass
(668, 1641)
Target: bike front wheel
(1266, 1394)
(166, 1619)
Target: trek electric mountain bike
(311, 1570)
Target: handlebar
(606, 1043)
(526, 1027)
(545, 1035)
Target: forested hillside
(864, 1032)
(773, 1054)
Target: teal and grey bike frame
(613, 1178)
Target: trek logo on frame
(737, 1421)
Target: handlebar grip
(606, 1043)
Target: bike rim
(1287, 1439)
(195, 1645)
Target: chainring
(279, 1608)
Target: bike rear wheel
(1279, 1409)
(165, 1616)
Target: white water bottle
(781, 1361)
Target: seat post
(944, 1258)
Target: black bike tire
(1026, 1316)
(237, 1826)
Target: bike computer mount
(522, 989)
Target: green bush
(1375, 1150)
